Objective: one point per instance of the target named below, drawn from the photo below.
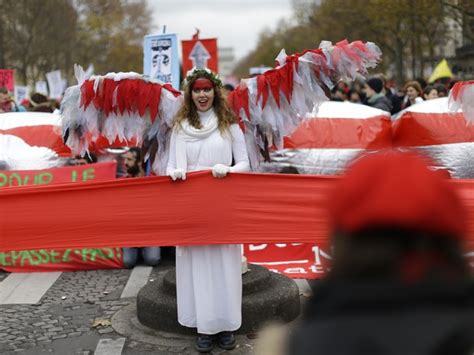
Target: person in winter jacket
(376, 97)
(399, 282)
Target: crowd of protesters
(390, 269)
(377, 92)
(37, 102)
(380, 93)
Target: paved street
(86, 312)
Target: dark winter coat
(382, 103)
(376, 319)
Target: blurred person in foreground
(399, 283)
(133, 160)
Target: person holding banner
(208, 278)
(133, 159)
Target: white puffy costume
(208, 277)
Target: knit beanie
(393, 189)
(375, 84)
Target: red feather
(121, 88)
(154, 102)
(144, 94)
(109, 87)
(98, 99)
(87, 93)
(131, 95)
(171, 89)
(272, 78)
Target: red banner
(200, 53)
(305, 260)
(60, 259)
(242, 208)
(79, 173)
(295, 260)
(7, 79)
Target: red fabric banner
(200, 53)
(79, 173)
(242, 208)
(7, 79)
(296, 260)
(305, 260)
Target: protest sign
(55, 83)
(200, 54)
(7, 79)
(161, 61)
(41, 87)
(21, 93)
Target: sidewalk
(91, 312)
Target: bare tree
(407, 31)
(39, 36)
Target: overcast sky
(236, 23)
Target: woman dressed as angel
(206, 136)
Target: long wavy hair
(189, 110)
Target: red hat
(396, 190)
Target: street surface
(88, 312)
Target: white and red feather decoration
(117, 106)
(272, 105)
(461, 97)
(126, 106)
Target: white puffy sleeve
(239, 150)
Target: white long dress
(208, 277)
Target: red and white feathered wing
(129, 107)
(118, 106)
(272, 105)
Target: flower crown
(195, 73)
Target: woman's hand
(178, 174)
(220, 170)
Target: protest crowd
(319, 157)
